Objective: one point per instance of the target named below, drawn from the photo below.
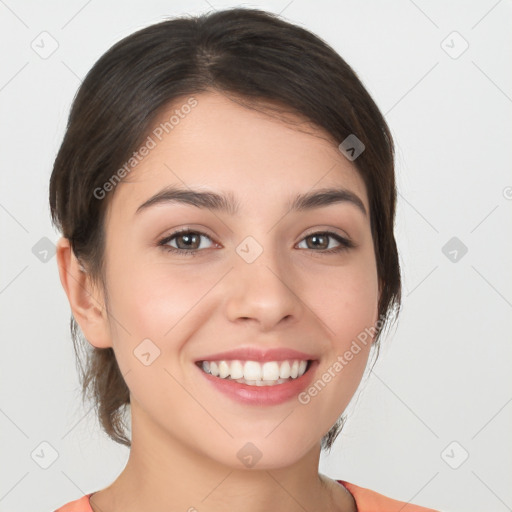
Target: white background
(443, 374)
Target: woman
(226, 196)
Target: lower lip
(262, 395)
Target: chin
(260, 452)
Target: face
(264, 293)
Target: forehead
(221, 145)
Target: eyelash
(345, 244)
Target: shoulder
(371, 501)
(366, 501)
(81, 505)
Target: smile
(254, 373)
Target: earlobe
(86, 301)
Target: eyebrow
(227, 203)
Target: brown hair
(248, 53)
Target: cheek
(346, 299)
(155, 299)
(160, 307)
(161, 303)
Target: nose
(265, 292)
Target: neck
(163, 474)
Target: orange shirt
(366, 501)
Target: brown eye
(190, 241)
(321, 242)
(318, 241)
(187, 242)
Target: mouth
(255, 373)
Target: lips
(258, 377)
(256, 354)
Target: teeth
(214, 369)
(252, 370)
(294, 370)
(261, 382)
(237, 370)
(270, 371)
(223, 369)
(284, 370)
(254, 373)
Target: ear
(86, 300)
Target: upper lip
(258, 354)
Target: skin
(185, 433)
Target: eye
(321, 241)
(188, 242)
